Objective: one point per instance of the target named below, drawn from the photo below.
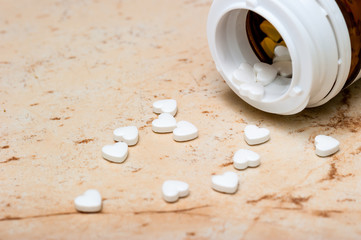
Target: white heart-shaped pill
(165, 106)
(116, 152)
(90, 201)
(281, 58)
(185, 131)
(173, 189)
(255, 135)
(246, 67)
(326, 145)
(283, 68)
(246, 158)
(164, 124)
(244, 74)
(281, 51)
(129, 135)
(226, 183)
(265, 73)
(254, 91)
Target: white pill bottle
(323, 38)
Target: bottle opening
(245, 38)
(263, 37)
(245, 43)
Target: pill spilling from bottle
(325, 56)
(251, 81)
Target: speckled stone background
(72, 71)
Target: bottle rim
(320, 67)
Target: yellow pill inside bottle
(270, 31)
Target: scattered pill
(185, 131)
(326, 145)
(265, 73)
(225, 183)
(165, 106)
(117, 152)
(173, 189)
(244, 74)
(254, 91)
(89, 202)
(284, 68)
(255, 135)
(129, 135)
(165, 123)
(246, 158)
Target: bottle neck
(351, 11)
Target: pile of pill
(172, 190)
(118, 152)
(128, 136)
(272, 38)
(250, 81)
(166, 123)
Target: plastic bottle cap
(316, 36)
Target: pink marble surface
(72, 71)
